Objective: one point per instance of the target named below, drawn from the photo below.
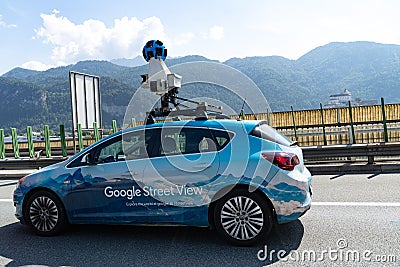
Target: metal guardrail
(39, 160)
(311, 154)
(39, 152)
(315, 153)
(27, 163)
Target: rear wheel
(45, 213)
(243, 218)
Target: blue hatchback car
(239, 177)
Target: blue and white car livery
(239, 177)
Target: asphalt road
(354, 221)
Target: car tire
(243, 218)
(45, 214)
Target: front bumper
(18, 199)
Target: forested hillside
(368, 70)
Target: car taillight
(284, 160)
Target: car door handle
(201, 166)
(130, 175)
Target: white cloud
(36, 65)
(216, 32)
(124, 38)
(183, 39)
(94, 40)
(4, 24)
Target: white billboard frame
(85, 101)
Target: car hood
(52, 166)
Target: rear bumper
(292, 210)
(291, 195)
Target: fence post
(47, 141)
(96, 132)
(114, 126)
(294, 124)
(323, 123)
(30, 142)
(385, 130)
(352, 124)
(2, 146)
(63, 142)
(15, 142)
(242, 114)
(340, 141)
(133, 122)
(80, 141)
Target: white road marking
(6, 200)
(358, 204)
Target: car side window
(139, 144)
(185, 140)
(110, 151)
(128, 146)
(222, 137)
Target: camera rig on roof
(162, 82)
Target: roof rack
(203, 111)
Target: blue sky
(41, 34)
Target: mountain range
(369, 70)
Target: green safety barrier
(63, 142)
(114, 126)
(133, 122)
(30, 142)
(2, 146)
(80, 139)
(47, 141)
(15, 142)
(96, 131)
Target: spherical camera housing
(156, 49)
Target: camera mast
(162, 82)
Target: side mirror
(120, 156)
(88, 159)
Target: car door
(185, 161)
(106, 181)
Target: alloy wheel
(242, 218)
(43, 214)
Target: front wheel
(45, 213)
(243, 218)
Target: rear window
(266, 132)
